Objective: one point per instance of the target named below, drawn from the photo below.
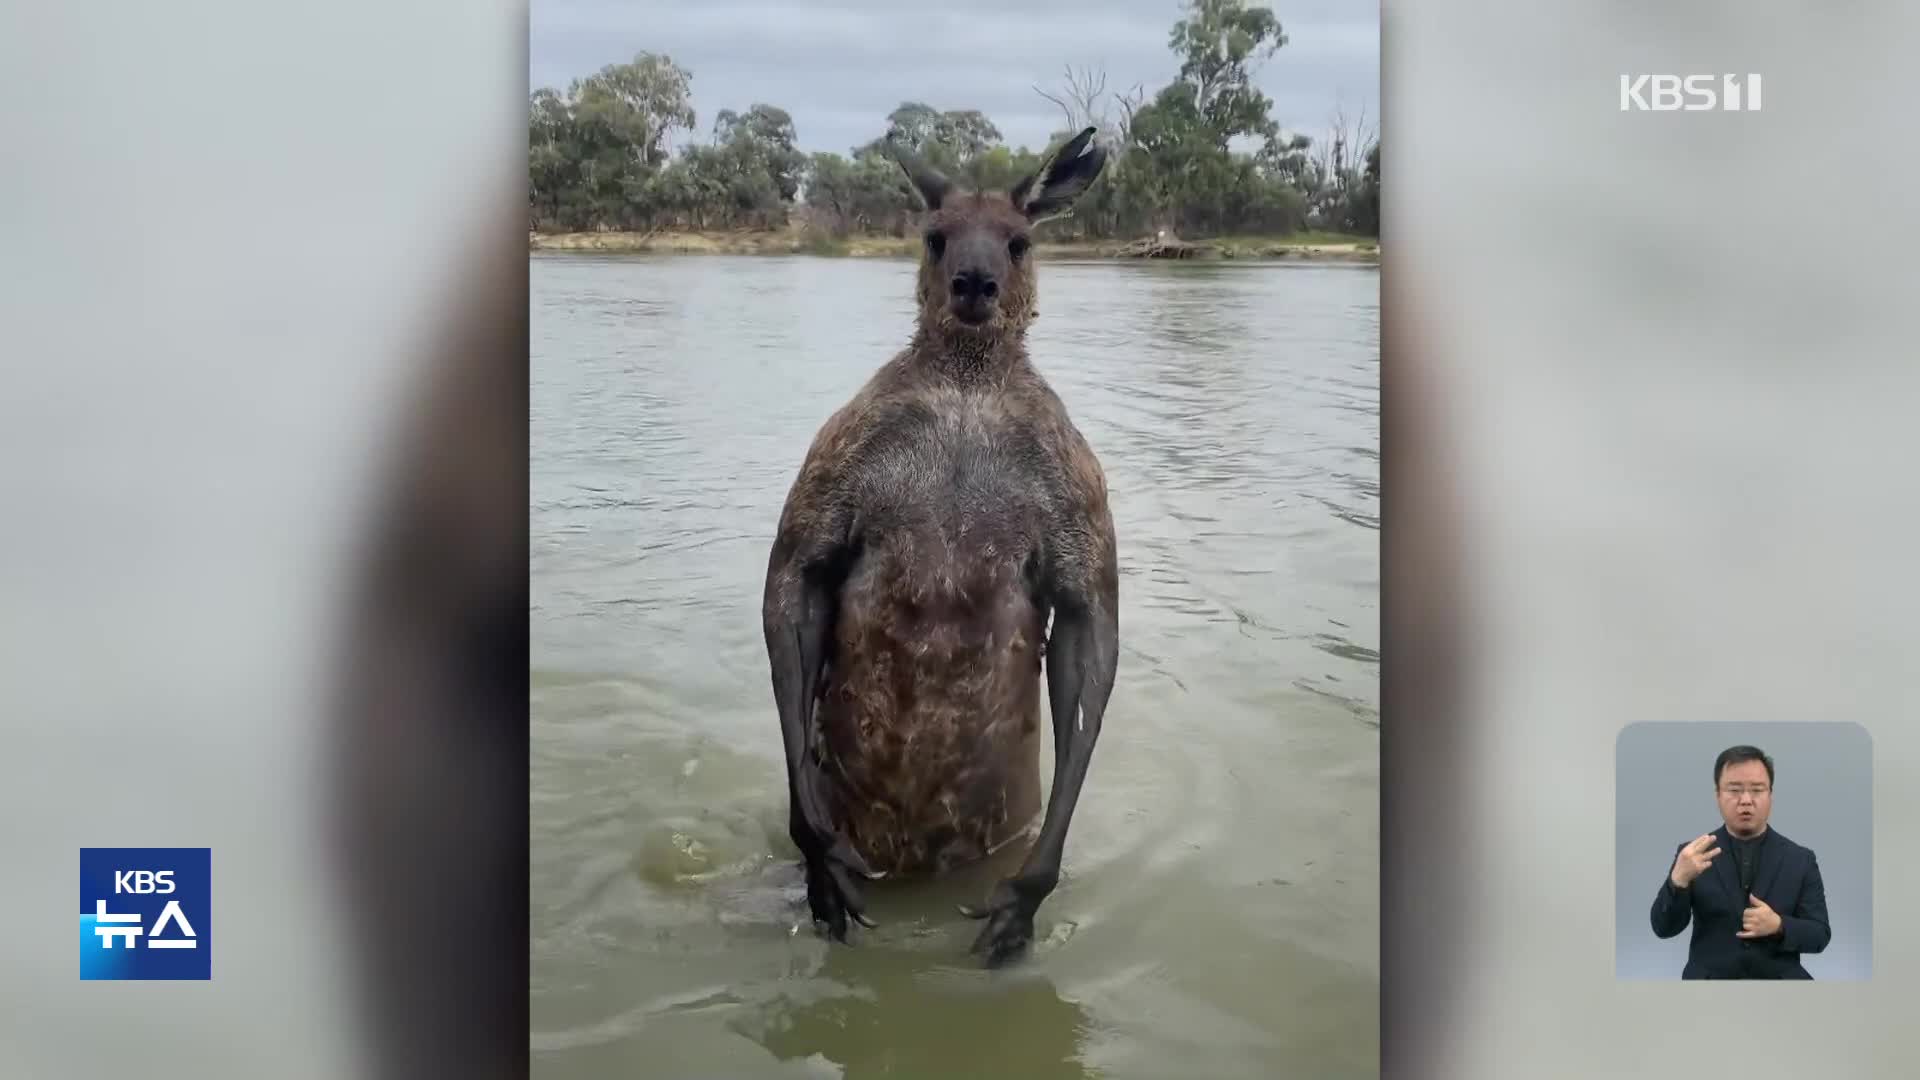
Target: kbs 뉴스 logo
(146, 913)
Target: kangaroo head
(976, 267)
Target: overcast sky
(840, 66)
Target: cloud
(840, 66)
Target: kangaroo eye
(936, 243)
(1018, 246)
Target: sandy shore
(795, 242)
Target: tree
(656, 90)
(592, 153)
(1345, 176)
(1000, 167)
(1202, 155)
(1218, 42)
(949, 141)
(1084, 103)
(1288, 156)
(866, 194)
(967, 133)
(551, 161)
(1366, 203)
(762, 140)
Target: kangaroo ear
(926, 179)
(1062, 177)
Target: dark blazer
(1786, 878)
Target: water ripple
(1235, 410)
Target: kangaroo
(939, 520)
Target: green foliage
(594, 152)
(652, 95)
(1364, 216)
(999, 168)
(1217, 42)
(949, 141)
(601, 157)
(761, 142)
(867, 194)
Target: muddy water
(1219, 913)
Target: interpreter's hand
(1758, 920)
(1693, 861)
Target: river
(1219, 914)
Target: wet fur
(960, 480)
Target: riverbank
(800, 242)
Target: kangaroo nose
(970, 283)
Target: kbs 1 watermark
(146, 913)
(1690, 93)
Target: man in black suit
(1756, 912)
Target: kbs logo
(1691, 93)
(145, 913)
(143, 881)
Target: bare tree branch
(1064, 107)
(1085, 102)
(1081, 86)
(1130, 103)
